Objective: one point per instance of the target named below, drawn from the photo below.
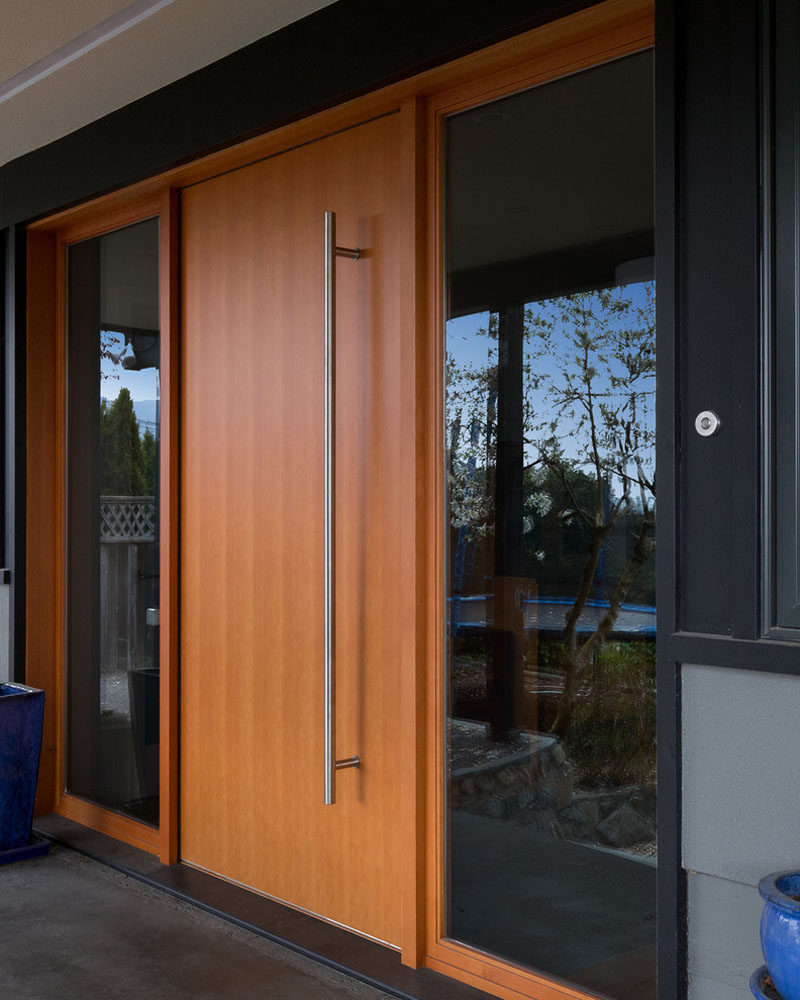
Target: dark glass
(113, 352)
(550, 391)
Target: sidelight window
(550, 471)
(112, 578)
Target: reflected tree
(122, 464)
(596, 415)
(580, 398)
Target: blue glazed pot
(761, 986)
(780, 931)
(21, 716)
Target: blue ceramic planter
(761, 986)
(21, 716)
(780, 931)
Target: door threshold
(291, 906)
(350, 954)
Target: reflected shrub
(612, 735)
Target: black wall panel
(718, 318)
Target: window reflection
(113, 521)
(550, 343)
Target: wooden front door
(252, 456)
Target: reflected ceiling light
(640, 269)
(491, 118)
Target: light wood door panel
(251, 535)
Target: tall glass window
(550, 391)
(113, 355)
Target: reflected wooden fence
(128, 581)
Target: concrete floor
(72, 928)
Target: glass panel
(550, 340)
(113, 349)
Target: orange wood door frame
(46, 513)
(44, 497)
(170, 531)
(578, 42)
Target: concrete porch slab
(354, 958)
(74, 928)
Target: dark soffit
(332, 55)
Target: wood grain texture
(108, 214)
(413, 377)
(500, 978)
(44, 397)
(46, 524)
(252, 568)
(146, 838)
(86, 226)
(169, 511)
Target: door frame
(47, 523)
(615, 40)
(594, 35)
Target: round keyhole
(707, 423)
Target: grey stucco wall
(4, 605)
(723, 938)
(741, 786)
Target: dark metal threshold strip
(314, 939)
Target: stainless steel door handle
(332, 765)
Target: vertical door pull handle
(332, 765)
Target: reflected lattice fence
(128, 581)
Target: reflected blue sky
(473, 351)
(142, 385)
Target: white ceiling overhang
(65, 63)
